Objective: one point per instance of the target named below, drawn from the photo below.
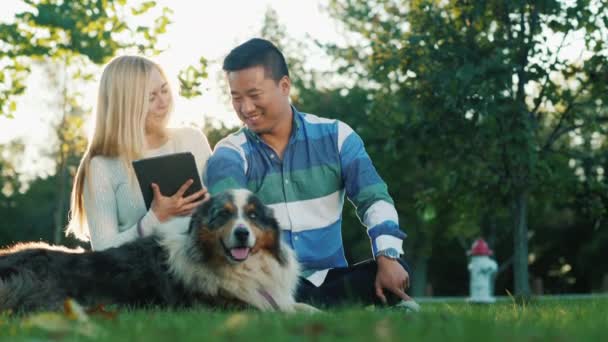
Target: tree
(482, 87)
(68, 142)
(55, 29)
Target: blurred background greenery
(485, 117)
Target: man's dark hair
(257, 52)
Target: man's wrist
(388, 253)
(382, 260)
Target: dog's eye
(252, 215)
(221, 212)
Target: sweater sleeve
(102, 213)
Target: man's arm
(226, 168)
(375, 208)
(368, 192)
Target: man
(301, 165)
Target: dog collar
(268, 298)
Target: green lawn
(571, 320)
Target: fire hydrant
(482, 270)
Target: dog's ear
(209, 211)
(271, 222)
(278, 251)
(266, 216)
(269, 213)
(200, 217)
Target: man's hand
(391, 276)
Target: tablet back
(169, 171)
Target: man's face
(259, 101)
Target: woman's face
(159, 103)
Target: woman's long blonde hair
(122, 106)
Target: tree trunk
(520, 244)
(62, 166)
(59, 214)
(419, 276)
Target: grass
(569, 320)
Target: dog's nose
(241, 234)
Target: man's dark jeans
(353, 285)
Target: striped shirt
(324, 160)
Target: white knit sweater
(114, 205)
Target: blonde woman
(133, 107)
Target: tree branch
(557, 130)
(569, 153)
(541, 96)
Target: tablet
(169, 171)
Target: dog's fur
(231, 256)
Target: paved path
(508, 298)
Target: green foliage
(12, 83)
(26, 207)
(55, 29)
(216, 132)
(191, 79)
(9, 176)
(477, 107)
(28, 214)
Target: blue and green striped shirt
(323, 160)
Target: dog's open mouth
(237, 253)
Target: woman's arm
(102, 213)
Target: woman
(133, 107)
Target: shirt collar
(296, 127)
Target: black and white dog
(231, 256)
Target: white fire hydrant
(482, 270)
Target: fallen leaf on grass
(311, 329)
(234, 322)
(73, 320)
(58, 323)
(74, 311)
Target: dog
(231, 256)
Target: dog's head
(233, 225)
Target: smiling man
(301, 166)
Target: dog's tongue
(239, 253)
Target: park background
(485, 118)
